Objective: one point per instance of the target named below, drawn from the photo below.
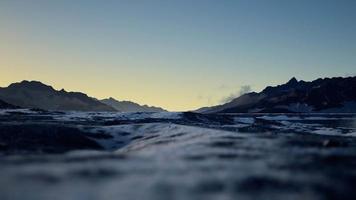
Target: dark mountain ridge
(34, 94)
(322, 95)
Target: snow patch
(279, 118)
(24, 111)
(328, 131)
(245, 120)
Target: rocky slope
(328, 95)
(4, 105)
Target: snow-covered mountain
(128, 106)
(328, 95)
(34, 94)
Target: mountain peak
(33, 85)
(292, 81)
(26, 82)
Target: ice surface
(74, 116)
(280, 118)
(247, 120)
(23, 111)
(178, 156)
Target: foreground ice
(76, 155)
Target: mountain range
(34, 94)
(128, 106)
(328, 95)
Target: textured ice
(177, 156)
(246, 120)
(11, 111)
(280, 118)
(74, 116)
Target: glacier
(179, 155)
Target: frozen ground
(77, 155)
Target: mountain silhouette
(34, 94)
(128, 106)
(332, 95)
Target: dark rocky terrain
(328, 95)
(4, 105)
(100, 155)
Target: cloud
(243, 90)
(228, 98)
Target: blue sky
(177, 54)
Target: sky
(177, 54)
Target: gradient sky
(179, 54)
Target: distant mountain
(128, 106)
(334, 95)
(34, 94)
(4, 105)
